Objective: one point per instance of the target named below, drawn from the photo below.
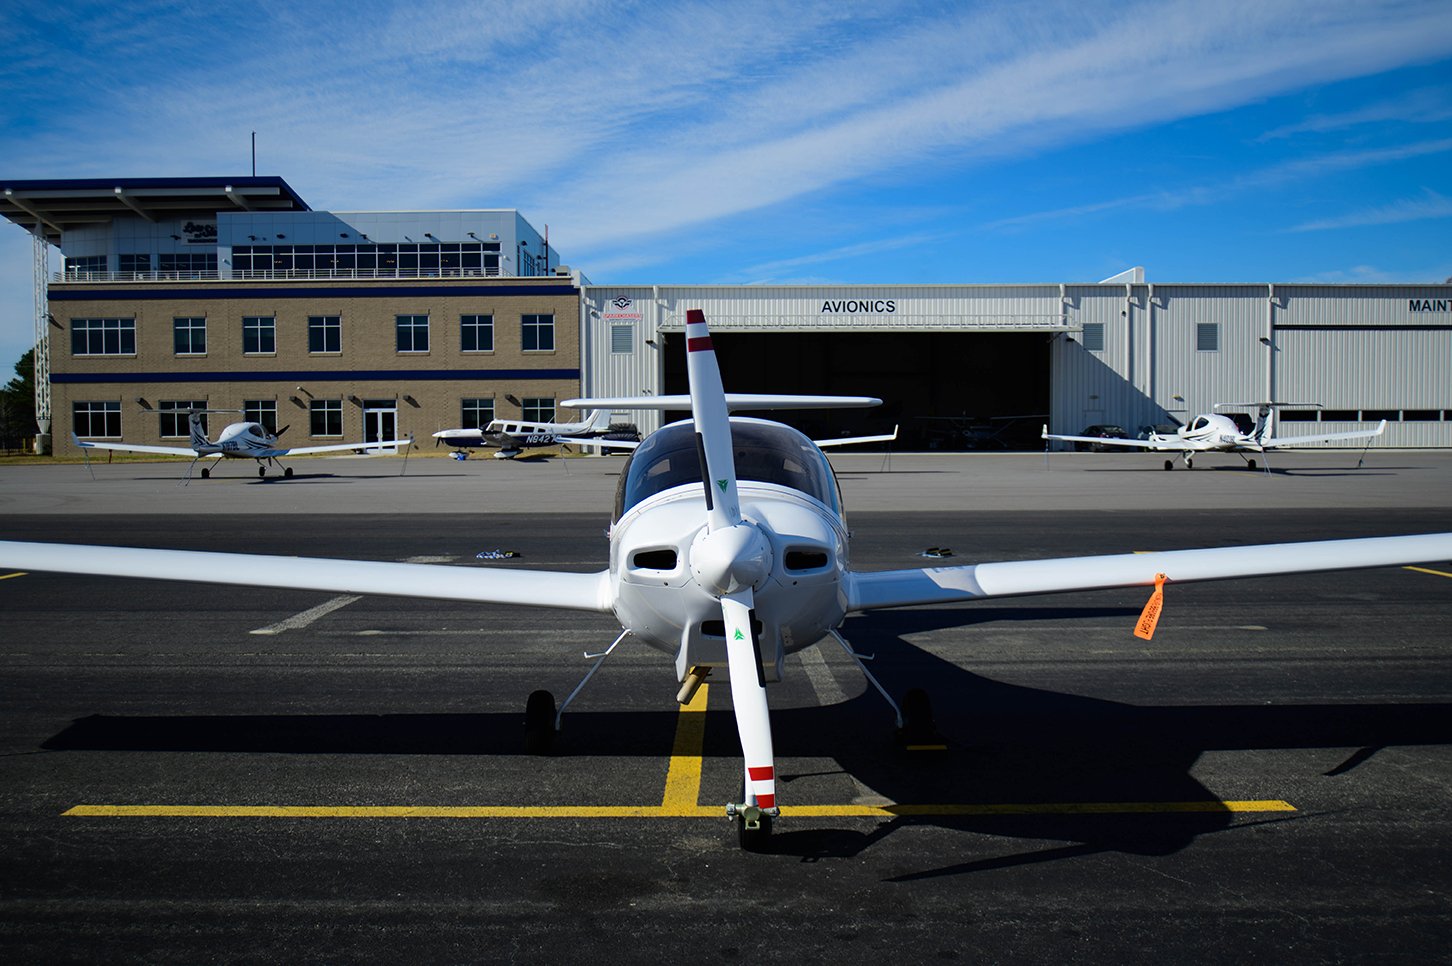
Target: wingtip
(695, 317)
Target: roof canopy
(61, 205)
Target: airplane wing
(137, 448)
(1106, 441)
(941, 585)
(596, 442)
(850, 440)
(735, 402)
(333, 448)
(542, 588)
(1277, 441)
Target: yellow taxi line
(18, 573)
(1424, 570)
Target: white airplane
(238, 441)
(513, 436)
(728, 548)
(1214, 432)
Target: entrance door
(380, 422)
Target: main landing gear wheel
(1169, 465)
(919, 733)
(539, 723)
(206, 473)
(1250, 464)
(261, 471)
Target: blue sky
(718, 142)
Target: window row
(1207, 336)
(102, 419)
(472, 257)
(110, 337)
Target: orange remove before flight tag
(1150, 616)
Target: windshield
(765, 452)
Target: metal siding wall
(1149, 355)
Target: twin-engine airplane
(728, 548)
(1218, 433)
(240, 441)
(514, 436)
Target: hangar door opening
(946, 390)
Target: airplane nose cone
(731, 559)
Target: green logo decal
(722, 485)
(739, 636)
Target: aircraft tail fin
(198, 430)
(1264, 423)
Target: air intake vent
(799, 560)
(662, 559)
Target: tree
(17, 404)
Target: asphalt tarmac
(193, 773)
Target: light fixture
(512, 400)
(141, 401)
(251, 237)
(355, 400)
(342, 234)
(650, 342)
(1264, 340)
(429, 234)
(473, 236)
(362, 236)
(281, 235)
(304, 392)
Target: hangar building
(984, 366)
(234, 294)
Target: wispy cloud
(1429, 205)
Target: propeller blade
(282, 430)
(748, 697)
(713, 424)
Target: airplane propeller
(730, 559)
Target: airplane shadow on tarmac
(1008, 744)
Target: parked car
(1104, 431)
(1158, 429)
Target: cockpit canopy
(765, 452)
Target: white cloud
(1429, 205)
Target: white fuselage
(658, 558)
(243, 440)
(1209, 431)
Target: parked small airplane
(729, 549)
(1214, 432)
(245, 440)
(513, 436)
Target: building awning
(61, 205)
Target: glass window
(325, 334)
(189, 335)
(1207, 337)
(176, 416)
(326, 417)
(413, 333)
(765, 452)
(103, 337)
(134, 264)
(96, 419)
(477, 413)
(189, 263)
(622, 339)
(537, 409)
(476, 333)
(86, 265)
(263, 411)
(1093, 336)
(259, 333)
(537, 333)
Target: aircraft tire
(1169, 465)
(206, 473)
(539, 723)
(287, 471)
(261, 471)
(755, 839)
(1250, 464)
